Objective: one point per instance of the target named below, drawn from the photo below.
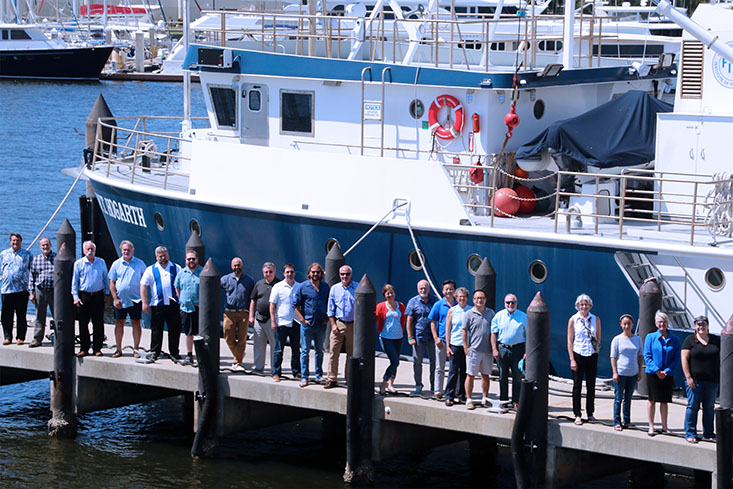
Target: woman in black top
(701, 364)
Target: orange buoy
(526, 206)
(504, 202)
(518, 172)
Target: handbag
(593, 340)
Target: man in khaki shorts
(477, 345)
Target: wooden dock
(250, 401)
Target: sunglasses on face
(510, 302)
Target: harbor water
(148, 445)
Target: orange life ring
(446, 133)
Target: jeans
(623, 391)
(456, 385)
(587, 367)
(392, 349)
(284, 333)
(312, 335)
(418, 353)
(509, 357)
(704, 393)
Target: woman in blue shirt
(455, 387)
(661, 355)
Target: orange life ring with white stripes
(451, 132)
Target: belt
(345, 322)
(509, 346)
(44, 288)
(235, 310)
(100, 291)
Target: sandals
(578, 421)
(117, 354)
(618, 427)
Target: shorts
(190, 322)
(479, 362)
(135, 311)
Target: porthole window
(538, 271)
(414, 259)
(473, 262)
(330, 243)
(539, 109)
(417, 109)
(159, 221)
(715, 278)
(194, 227)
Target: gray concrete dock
(251, 401)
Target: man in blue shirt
(238, 288)
(419, 334)
(187, 286)
(163, 303)
(341, 318)
(15, 265)
(438, 315)
(124, 287)
(310, 302)
(508, 332)
(89, 286)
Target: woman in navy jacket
(661, 355)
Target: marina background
(148, 444)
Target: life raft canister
(441, 132)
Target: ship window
(159, 221)
(195, 227)
(255, 100)
(539, 109)
(330, 243)
(414, 259)
(538, 271)
(417, 108)
(473, 262)
(296, 113)
(5, 35)
(19, 35)
(224, 101)
(714, 278)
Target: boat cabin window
(18, 35)
(255, 100)
(224, 101)
(296, 113)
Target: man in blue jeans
(310, 301)
(419, 334)
(282, 317)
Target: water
(42, 127)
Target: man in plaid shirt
(41, 288)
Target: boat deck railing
(461, 40)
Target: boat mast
(568, 31)
(186, 126)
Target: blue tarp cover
(621, 132)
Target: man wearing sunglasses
(341, 319)
(508, 332)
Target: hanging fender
(435, 126)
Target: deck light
(665, 60)
(550, 71)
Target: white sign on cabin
(372, 111)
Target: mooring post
(206, 441)
(100, 110)
(63, 420)
(194, 243)
(537, 371)
(650, 301)
(360, 395)
(723, 422)
(334, 260)
(486, 281)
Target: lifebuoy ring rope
(446, 133)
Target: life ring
(441, 132)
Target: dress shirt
(439, 313)
(126, 277)
(42, 271)
(14, 270)
(312, 303)
(188, 283)
(161, 293)
(281, 297)
(238, 290)
(89, 277)
(661, 354)
(341, 302)
(510, 329)
(420, 312)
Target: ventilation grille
(692, 66)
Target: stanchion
(650, 301)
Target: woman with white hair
(661, 355)
(584, 342)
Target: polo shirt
(261, 295)
(439, 313)
(510, 329)
(281, 296)
(478, 329)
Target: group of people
(657, 357)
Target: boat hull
(61, 64)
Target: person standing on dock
(437, 316)
(508, 333)
(238, 288)
(584, 342)
(627, 358)
(15, 266)
(259, 315)
(282, 317)
(419, 334)
(310, 300)
(661, 355)
(701, 364)
(391, 328)
(89, 287)
(42, 288)
(341, 318)
(187, 287)
(163, 305)
(124, 287)
(456, 384)
(477, 346)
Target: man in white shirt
(282, 320)
(163, 302)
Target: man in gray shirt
(477, 345)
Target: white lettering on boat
(122, 212)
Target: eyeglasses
(190, 259)
(315, 272)
(510, 302)
(268, 272)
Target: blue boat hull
(259, 236)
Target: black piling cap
(210, 269)
(194, 242)
(66, 234)
(365, 287)
(650, 286)
(485, 269)
(66, 228)
(335, 253)
(538, 305)
(100, 109)
(728, 328)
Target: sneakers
(418, 390)
(469, 405)
(485, 402)
(189, 357)
(237, 367)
